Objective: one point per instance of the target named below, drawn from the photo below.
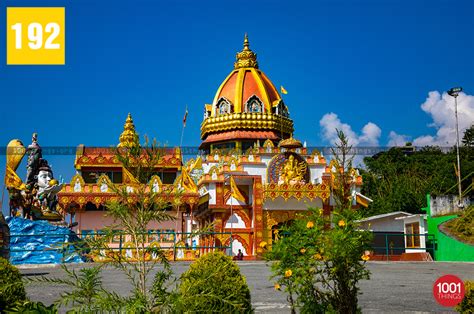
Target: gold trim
(298, 191)
(239, 89)
(252, 121)
(263, 91)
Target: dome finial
(246, 42)
(246, 58)
(129, 136)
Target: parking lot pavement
(394, 287)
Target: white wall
(386, 224)
(423, 230)
(211, 188)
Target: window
(223, 106)
(254, 104)
(412, 234)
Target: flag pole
(184, 125)
(231, 219)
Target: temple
(252, 177)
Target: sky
(378, 70)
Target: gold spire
(128, 137)
(246, 58)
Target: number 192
(35, 35)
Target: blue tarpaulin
(39, 242)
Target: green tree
(468, 138)
(399, 179)
(135, 206)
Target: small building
(397, 233)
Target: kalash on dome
(253, 177)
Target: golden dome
(247, 100)
(129, 136)
(243, 83)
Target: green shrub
(465, 223)
(320, 267)
(28, 307)
(11, 286)
(467, 304)
(214, 284)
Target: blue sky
(364, 61)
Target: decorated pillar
(258, 216)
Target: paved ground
(397, 287)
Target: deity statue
(34, 152)
(292, 171)
(37, 199)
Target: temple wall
(96, 220)
(257, 170)
(291, 204)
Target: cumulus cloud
(441, 109)
(395, 139)
(369, 135)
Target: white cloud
(395, 139)
(441, 109)
(369, 136)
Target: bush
(319, 266)
(11, 286)
(28, 307)
(214, 284)
(467, 304)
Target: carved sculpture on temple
(292, 171)
(37, 199)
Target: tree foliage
(400, 178)
(468, 138)
(11, 285)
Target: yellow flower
(310, 225)
(341, 223)
(321, 211)
(365, 257)
(276, 231)
(317, 256)
(277, 286)
(288, 273)
(263, 244)
(303, 250)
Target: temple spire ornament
(246, 58)
(129, 136)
